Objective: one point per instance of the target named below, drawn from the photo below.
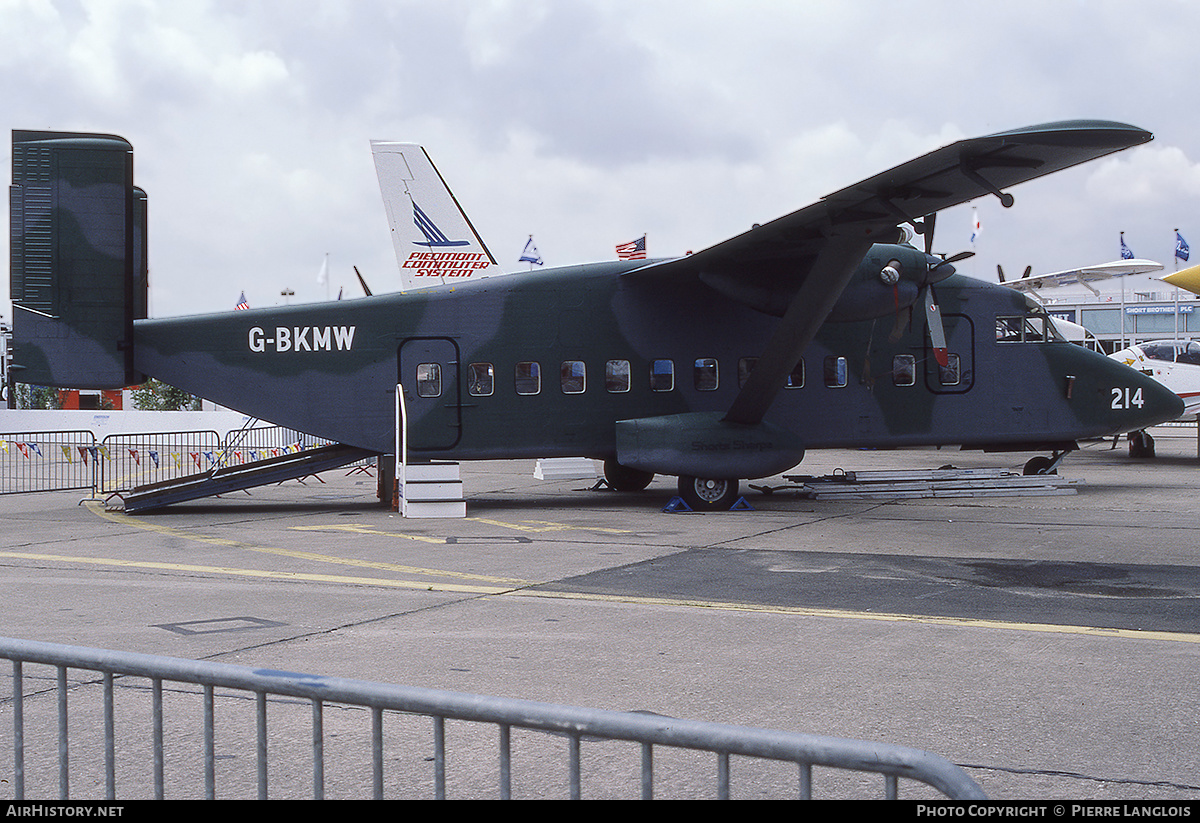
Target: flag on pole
(241, 303)
(531, 255)
(1126, 254)
(975, 227)
(1182, 251)
(633, 250)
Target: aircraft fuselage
(546, 363)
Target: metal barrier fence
(63, 460)
(47, 461)
(132, 460)
(405, 745)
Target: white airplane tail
(434, 240)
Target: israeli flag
(531, 254)
(1182, 251)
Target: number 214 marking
(1123, 399)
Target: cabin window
(835, 372)
(795, 380)
(704, 374)
(573, 376)
(662, 375)
(616, 375)
(904, 370)
(951, 373)
(528, 377)
(429, 380)
(481, 379)
(745, 366)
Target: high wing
(1083, 276)
(798, 266)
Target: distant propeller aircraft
(1083, 276)
(719, 366)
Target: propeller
(937, 333)
(1000, 271)
(362, 282)
(933, 315)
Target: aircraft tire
(624, 479)
(1039, 465)
(706, 494)
(1141, 444)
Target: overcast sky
(587, 124)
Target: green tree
(155, 395)
(36, 397)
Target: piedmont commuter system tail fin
(434, 240)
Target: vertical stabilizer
(434, 240)
(78, 259)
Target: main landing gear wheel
(1039, 465)
(705, 494)
(624, 479)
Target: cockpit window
(1035, 327)
(1168, 351)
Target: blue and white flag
(1182, 252)
(1126, 254)
(975, 227)
(531, 254)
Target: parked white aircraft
(1175, 364)
(1082, 277)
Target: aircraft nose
(1171, 403)
(1147, 401)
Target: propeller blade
(1028, 271)
(962, 255)
(927, 226)
(937, 334)
(1000, 271)
(362, 282)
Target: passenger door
(429, 375)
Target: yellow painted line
(838, 614)
(360, 529)
(540, 526)
(97, 508)
(517, 587)
(259, 573)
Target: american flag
(633, 250)
(241, 304)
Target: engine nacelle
(889, 278)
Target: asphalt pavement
(1049, 645)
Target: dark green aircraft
(825, 328)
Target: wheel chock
(741, 506)
(677, 504)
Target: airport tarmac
(1049, 645)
